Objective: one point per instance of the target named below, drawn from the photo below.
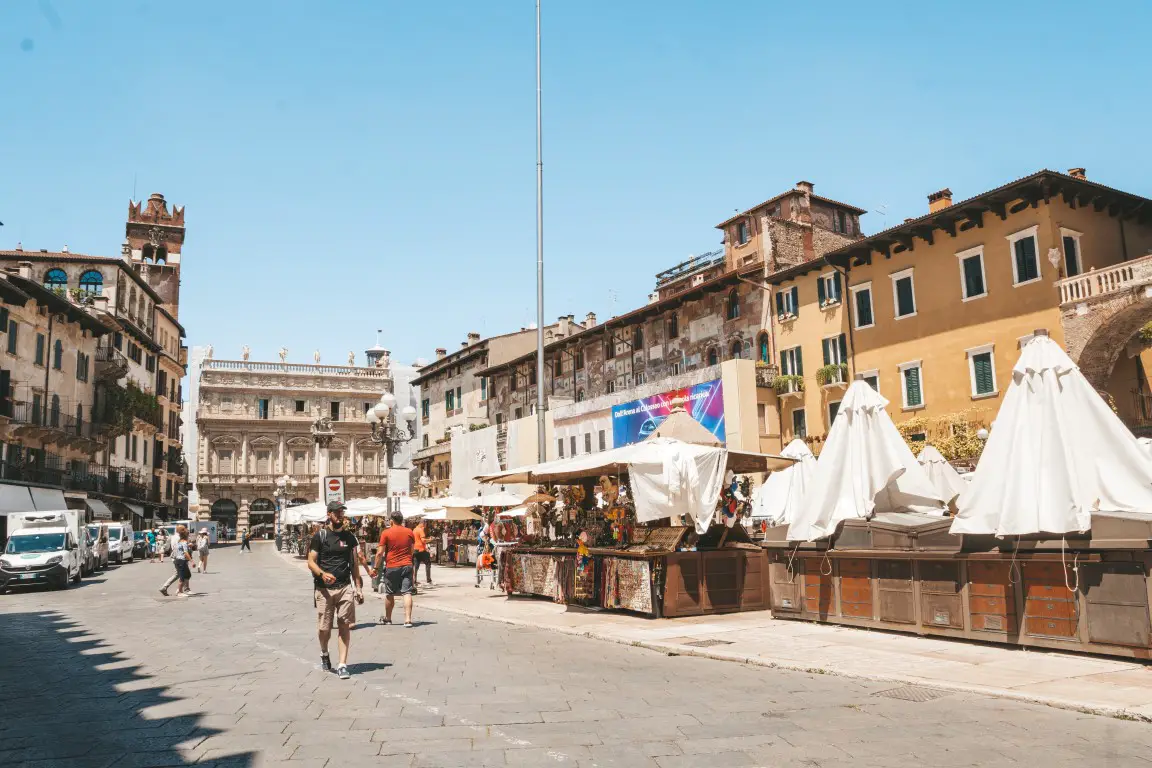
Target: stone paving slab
(230, 678)
(1108, 686)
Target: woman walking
(161, 542)
(181, 559)
(202, 550)
(150, 541)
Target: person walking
(161, 543)
(335, 568)
(245, 541)
(420, 554)
(202, 550)
(396, 551)
(181, 559)
(150, 542)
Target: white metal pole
(541, 448)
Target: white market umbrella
(864, 469)
(780, 496)
(312, 512)
(451, 513)
(943, 475)
(1056, 455)
(1146, 444)
(515, 512)
(499, 499)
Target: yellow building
(933, 311)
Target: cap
(336, 506)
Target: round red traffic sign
(333, 484)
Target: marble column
(243, 454)
(282, 462)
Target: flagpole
(540, 423)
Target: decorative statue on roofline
(245, 352)
(283, 354)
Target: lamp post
(385, 431)
(285, 488)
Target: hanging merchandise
(734, 499)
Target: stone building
(454, 396)
(254, 423)
(933, 311)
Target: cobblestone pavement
(111, 673)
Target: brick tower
(153, 239)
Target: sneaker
(342, 672)
(384, 620)
(408, 624)
(325, 662)
(164, 591)
(181, 594)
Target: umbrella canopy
(783, 492)
(616, 460)
(514, 512)
(448, 501)
(679, 425)
(451, 513)
(374, 506)
(501, 499)
(1146, 444)
(945, 479)
(1056, 455)
(865, 468)
(312, 512)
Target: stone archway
(225, 512)
(261, 511)
(1101, 311)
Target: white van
(194, 527)
(98, 557)
(43, 548)
(119, 542)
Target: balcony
(833, 376)
(53, 423)
(249, 366)
(766, 374)
(1100, 283)
(788, 386)
(111, 365)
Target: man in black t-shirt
(332, 560)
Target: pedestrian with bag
(162, 543)
(245, 541)
(396, 552)
(182, 560)
(202, 546)
(337, 585)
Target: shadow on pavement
(70, 700)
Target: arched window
(713, 356)
(735, 350)
(765, 353)
(637, 339)
(54, 412)
(55, 279)
(146, 253)
(58, 355)
(92, 282)
(732, 307)
(579, 395)
(132, 301)
(161, 255)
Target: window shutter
(907, 304)
(799, 361)
(1071, 260)
(783, 362)
(863, 308)
(1026, 267)
(837, 288)
(824, 344)
(820, 293)
(912, 386)
(982, 369)
(843, 348)
(795, 300)
(779, 303)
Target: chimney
(64, 249)
(441, 352)
(590, 320)
(463, 345)
(26, 270)
(938, 201)
(804, 186)
(563, 328)
(1077, 173)
(19, 246)
(473, 337)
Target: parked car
(42, 550)
(139, 545)
(99, 536)
(119, 541)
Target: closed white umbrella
(782, 493)
(865, 468)
(943, 475)
(1056, 455)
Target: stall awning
(15, 498)
(99, 509)
(136, 509)
(48, 499)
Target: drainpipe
(48, 359)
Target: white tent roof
(783, 492)
(615, 460)
(865, 468)
(500, 499)
(1056, 455)
(312, 512)
(451, 513)
(514, 512)
(945, 479)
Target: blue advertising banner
(634, 421)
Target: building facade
(932, 312)
(254, 425)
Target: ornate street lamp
(285, 489)
(385, 431)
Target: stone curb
(672, 649)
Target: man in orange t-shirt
(396, 550)
(420, 554)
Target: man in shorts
(332, 560)
(420, 554)
(396, 551)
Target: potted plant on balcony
(833, 374)
(788, 384)
(120, 406)
(785, 317)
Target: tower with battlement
(154, 238)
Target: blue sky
(351, 166)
